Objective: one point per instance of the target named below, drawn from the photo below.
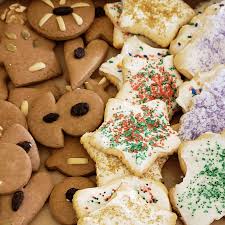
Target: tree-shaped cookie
(138, 134)
(200, 197)
(27, 57)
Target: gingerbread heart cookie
(83, 61)
(15, 168)
(20, 44)
(3, 85)
(22, 206)
(72, 159)
(60, 201)
(61, 20)
(17, 134)
(76, 113)
(13, 115)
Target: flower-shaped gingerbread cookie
(75, 113)
(200, 197)
(138, 134)
(61, 19)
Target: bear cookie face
(61, 20)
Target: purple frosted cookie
(208, 111)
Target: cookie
(15, 168)
(17, 134)
(83, 61)
(159, 22)
(91, 199)
(3, 84)
(109, 168)
(112, 68)
(200, 197)
(60, 202)
(57, 86)
(22, 206)
(19, 44)
(200, 8)
(13, 115)
(61, 20)
(75, 113)
(149, 77)
(189, 89)
(204, 51)
(101, 28)
(127, 207)
(134, 134)
(207, 112)
(14, 13)
(71, 160)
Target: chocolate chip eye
(51, 117)
(70, 193)
(17, 200)
(99, 12)
(62, 11)
(26, 145)
(79, 53)
(80, 109)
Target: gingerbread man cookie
(61, 20)
(22, 206)
(3, 84)
(83, 61)
(72, 159)
(20, 44)
(60, 201)
(76, 113)
(17, 134)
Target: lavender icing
(208, 111)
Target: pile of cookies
(88, 93)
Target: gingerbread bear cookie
(17, 134)
(75, 113)
(19, 44)
(3, 84)
(83, 61)
(72, 159)
(13, 116)
(61, 20)
(22, 206)
(60, 201)
(15, 168)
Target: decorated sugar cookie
(61, 19)
(200, 197)
(137, 134)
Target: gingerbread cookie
(20, 44)
(76, 113)
(60, 201)
(3, 85)
(83, 61)
(15, 168)
(102, 28)
(61, 20)
(71, 160)
(13, 115)
(22, 206)
(17, 134)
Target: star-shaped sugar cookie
(133, 46)
(200, 197)
(150, 77)
(109, 167)
(137, 134)
(157, 20)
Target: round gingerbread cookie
(60, 201)
(61, 19)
